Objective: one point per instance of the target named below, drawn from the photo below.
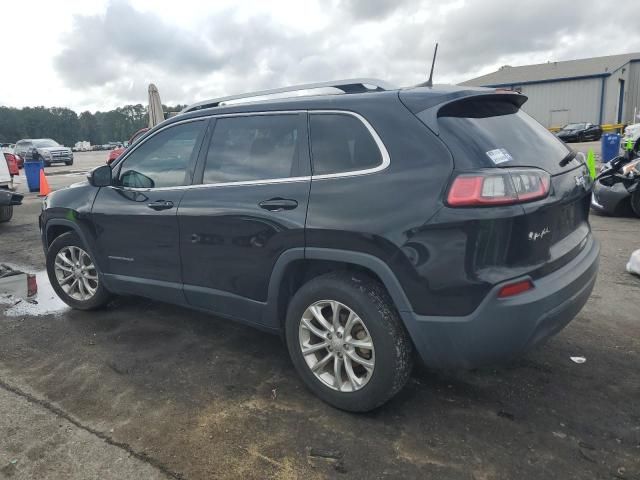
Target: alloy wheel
(76, 274)
(336, 345)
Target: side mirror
(101, 176)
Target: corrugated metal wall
(564, 101)
(632, 96)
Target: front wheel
(347, 341)
(74, 275)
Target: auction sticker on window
(499, 155)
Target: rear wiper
(568, 157)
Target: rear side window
(341, 143)
(494, 133)
(162, 160)
(253, 148)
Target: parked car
(46, 149)
(115, 153)
(362, 227)
(8, 198)
(579, 132)
(617, 187)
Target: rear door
(135, 220)
(251, 206)
(488, 132)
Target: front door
(135, 220)
(250, 208)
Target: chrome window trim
(386, 160)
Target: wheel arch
(58, 226)
(55, 227)
(297, 266)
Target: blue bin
(32, 171)
(610, 146)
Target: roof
(371, 101)
(550, 71)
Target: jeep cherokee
(363, 226)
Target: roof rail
(351, 85)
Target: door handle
(161, 205)
(278, 204)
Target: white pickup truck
(8, 198)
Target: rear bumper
(7, 197)
(500, 329)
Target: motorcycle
(617, 187)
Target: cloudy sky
(99, 54)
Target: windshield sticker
(499, 155)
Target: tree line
(67, 127)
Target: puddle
(46, 302)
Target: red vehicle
(116, 152)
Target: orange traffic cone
(44, 185)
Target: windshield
(484, 133)
(45, 142)
(574, 126)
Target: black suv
(363, 226)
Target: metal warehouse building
(601, 90)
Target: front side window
(341, 143)
(163, 159)
(252, 148)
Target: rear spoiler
(428, 104)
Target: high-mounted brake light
(515, 288)
(498, 187)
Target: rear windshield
(493, 133)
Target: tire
(69, 163)
(6, 213)
(635, 202)
(380, 326)
(66, 244)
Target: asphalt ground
(148, 390)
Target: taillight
(498, 187)
(12, 163)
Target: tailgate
(554, 230)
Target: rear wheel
(74, 274)
(6, 213)
(347, 341)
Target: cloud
(113, 55)
(370, 9)
(100, 48)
